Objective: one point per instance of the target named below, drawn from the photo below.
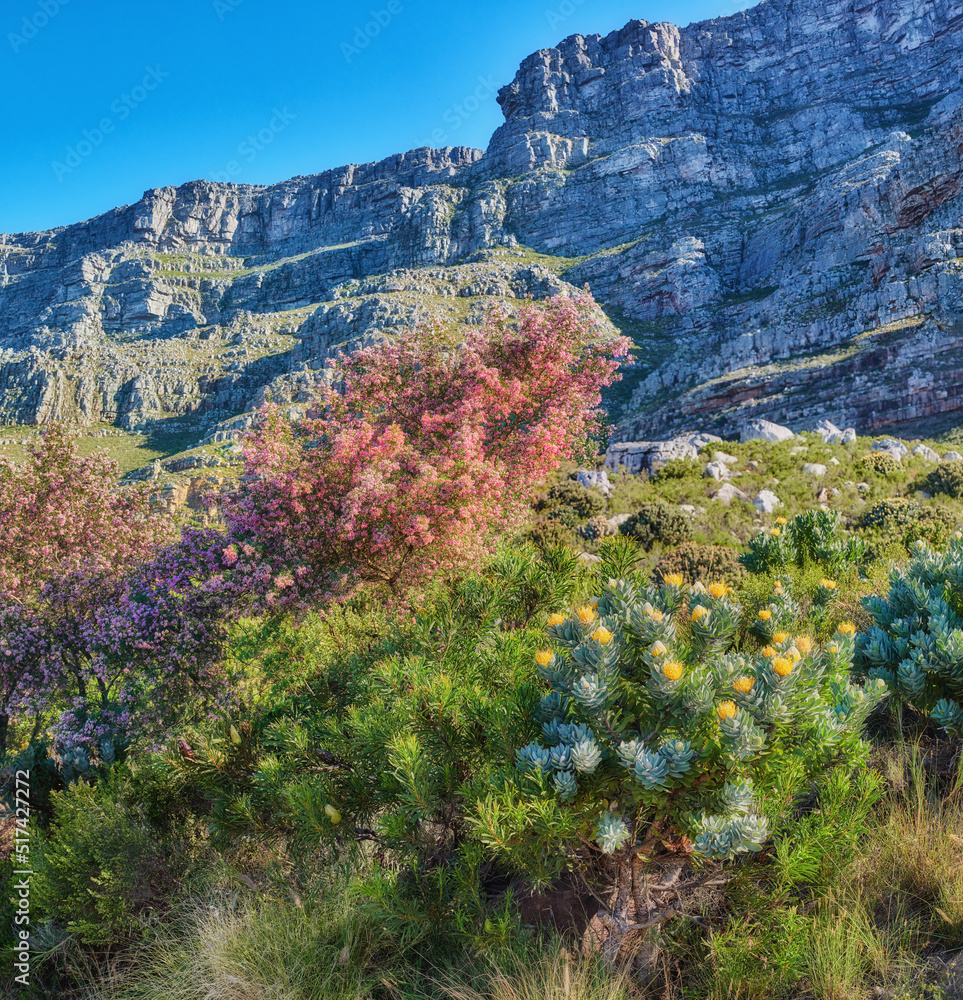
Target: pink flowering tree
(68, 535)
(421, 454)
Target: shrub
(680, 468)
(583, 501)
(549, 534)
(694, 562)
(907, 521)
(657, 523)
(597, 527)
(657, 742)
(811, 537)
(891, 512)
(916, 644)
(946, 479)
(105, 869)
(879, 463)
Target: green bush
(916, 643)
(657, 523)
(565, 515)
(906, 521)
(583, 501)
(105, 869)
(945, 479)
(694, 562)
(597, 527)
(892, 512)
(652, 729)
(809, 538)
(879, 463)
(680, 468)
(550, 534)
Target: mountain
(768, 203)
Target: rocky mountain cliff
(768, 203)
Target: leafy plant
(946, 478)
(916, 643)
(659, 742)
(694, 562)
(657, 523)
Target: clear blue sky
(256, 91)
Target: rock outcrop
(769, 204)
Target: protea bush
(916, 643)
(664, 751)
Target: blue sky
(107, 98)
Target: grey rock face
(927, 453)
(769, 202)
(594, 481)
(727, 493)
(766, 501)
(814, 469)
(650, 456)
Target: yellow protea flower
(594, 603)
(828, 584)
(543, 657)
(603, 635)
(765, 614)
(673, 579)
(958, 534)
(777, 583)
(794, 654)
(718, 589)
(585, 614)
(782, 665)
(672, 669)
(726, 710)
(780, 637)
(804, 644)
(847, 628)
(744, 684)
(768, 651)
(775, 532)
(655, 614)
(699, 612)
(832, 648)
(557, 619)
(658, 648)
(780, 520)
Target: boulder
(814, 469)
(766, 501)
(727, 493)
(716, 470)
(721, 456)
(649, 456)
(890, 445)
(588, 557)
(834, 460)
(926, 453)
(766, 430)
(595, 481)
(826, 429)
(617, 520)
(952, 456)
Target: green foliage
(810, 537)
(657, 523)
(113, 861)
(916, 643)
(550, 534)
(903, 521)
(584, 502)
(946, 479)
(694, 562)
(879, 463)
(651, 726)
(597, 527)
(680, 468)
(564, 514)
